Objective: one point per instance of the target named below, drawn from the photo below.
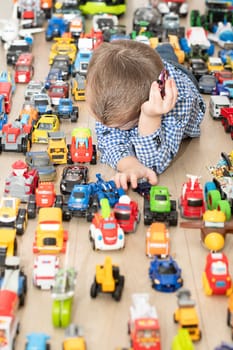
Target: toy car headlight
(99, 238)
(120, 236)
(156, 281)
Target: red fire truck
(6, 91)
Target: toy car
(40, 161)
(21, 182)
(28, 114)
(62, 294)
(207, 84)
(214, 64)
(15, 137)
(44, 270)
(56, 27)
(50, 236)
(198, 67)
(182, 340)
(223, 75)
(192, 199)
(73, 175)
(67, 110)
(13, 214)
(127, 213)
(45, 197)
(186, 314)
(82, 150)
(7, 76)
(224, 346)
(33, 87)
(54, 74)
(165, 274)
(78, 86)
(42, 103)
(62, 62)
(108, 280)
(47, 123)
(82, 202)
(57, 90)
(159, 207)
(73, 338)
(157, 240)
(105, 233)
(64, 46)
(216, 279)
(13, 277)
(37, 341)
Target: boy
(138, 131)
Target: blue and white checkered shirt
(158, 149)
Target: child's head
(119, 78)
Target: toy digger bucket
(105, 208)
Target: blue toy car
(56, 27)
(224, 346)
(67, 110)
(165, 274)
(37, 341)
(53, 75)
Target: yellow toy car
(57, 148)
(78, 87)
(63, 46)
(47, 123)
(50, 237)
(12, 215)
(214, 64)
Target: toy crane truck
(143, 325)
(186, 314)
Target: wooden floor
(104, 321)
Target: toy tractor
(108, 280)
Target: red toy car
(82, 149)
(15, 137)
(226, 115)
(192, 199)
(45, 197)
(223, 76)
(24, 68)
(127, 213)
(58, 89)
(216, 278)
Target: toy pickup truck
(66, 110)
(159, 207)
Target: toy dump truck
(186, 314)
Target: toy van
(216, 103)
(24, 69)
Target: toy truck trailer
(226, 114)
(143, 325)
(9, 322)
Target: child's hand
(132, 174)
(156, 105)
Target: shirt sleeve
(113, 144)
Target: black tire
(94, 289)
(228, 318)
(49, 241)
(25, 145)
(15, 246)
(21, 222)
(94, 155)
(116, 272)
(0, 145)
(59, 201)
(66, 215)
(89, 216)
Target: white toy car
(45, 269)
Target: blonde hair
(119, 78)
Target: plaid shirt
(158, 149)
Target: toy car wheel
(58, 201)
(25, 146)
(94, 155)
(118, 292)
(224, 206)
(66, 215)
(209, 186)
(21, 221)
(94, 289)
(174, 318)
(15, 246)
(0, 145)
(31, 208)
(213, 199)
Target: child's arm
(153, 109)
